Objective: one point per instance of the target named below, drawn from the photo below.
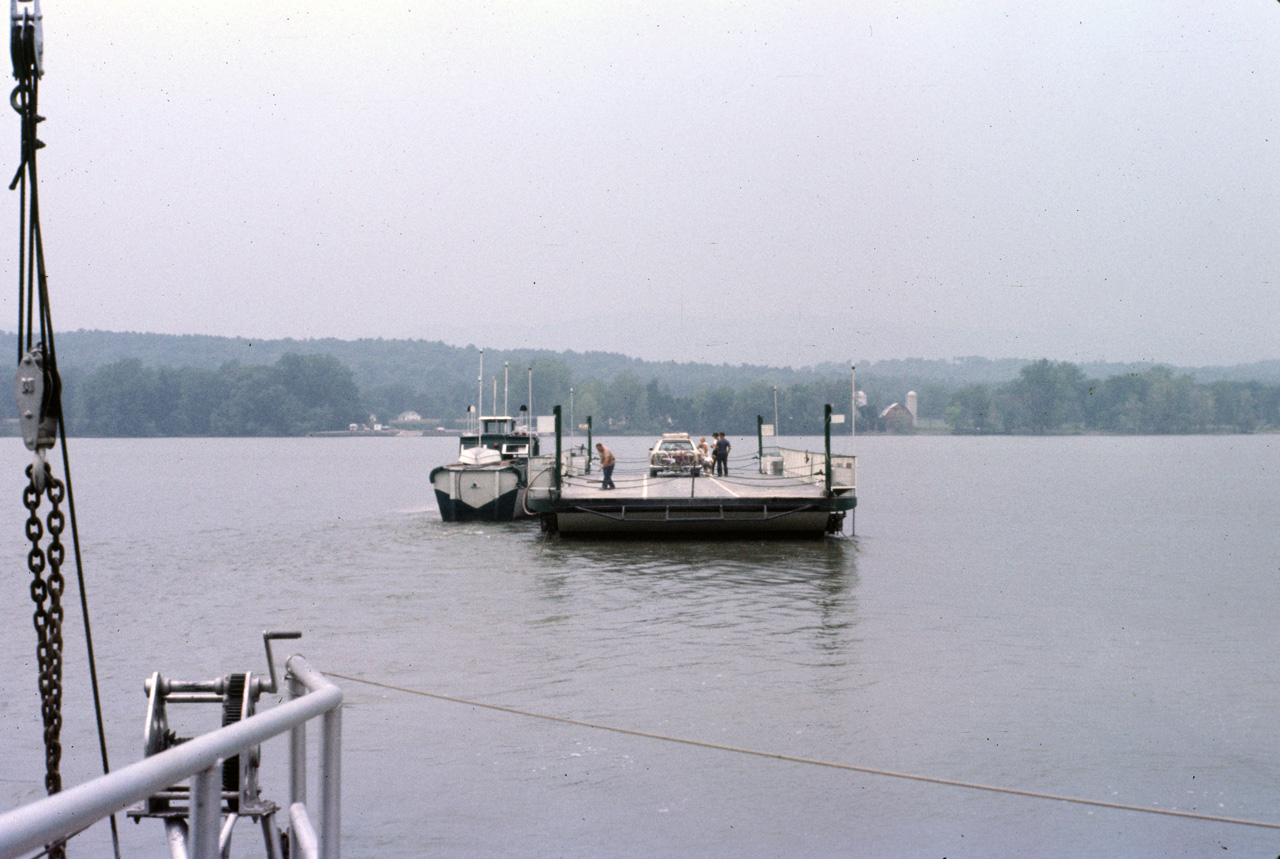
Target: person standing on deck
(607, 462)
(722, 455)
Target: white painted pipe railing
(200, 759)
(811, 466)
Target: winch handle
(267, 637)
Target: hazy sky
(770, 182)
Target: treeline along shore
(127, 384)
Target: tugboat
(488, 480)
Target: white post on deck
(206, 805)
(297, 751)
(853, 411)
(480, 394)
(331, 784)
(776, 432)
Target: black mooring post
(556, 412)
(760, 441)
(591, 449)
(826, 432)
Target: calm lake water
(1095, 617)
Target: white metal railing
(811, 466)
(575, 461)
(57, 817)
(844, 472)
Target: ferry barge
(792, 493)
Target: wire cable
(1008, 791)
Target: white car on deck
(675, 453)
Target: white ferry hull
(486, 493)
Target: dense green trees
(972, 410)
(266, 391)
(1048, 397)
(304, 393)
(296, 395)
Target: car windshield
(676, 445)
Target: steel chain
(45, 564)
(46, 592)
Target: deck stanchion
(853, 439)
(206, 807)
(590, 447)
(297, 751)
(760, 441)
(331, 784)
(556, 480)
(853, 411)
(826, 432)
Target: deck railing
(200, 759)
(806, 465)
(542, 468)
(811, 465)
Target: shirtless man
(607, 462)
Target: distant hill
(423, 364)
(378, 362)
(1259, 371)
(130, 383)
(987, 371)
(418, 364)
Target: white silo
(911, 406)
